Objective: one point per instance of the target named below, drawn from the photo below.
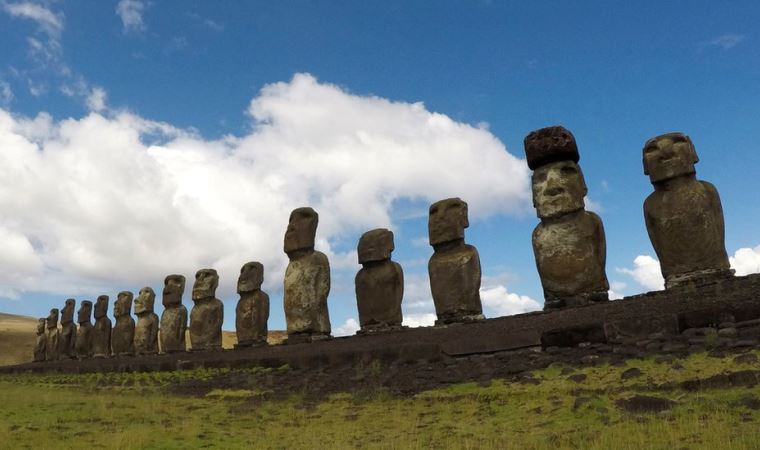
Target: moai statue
(207, 314)
(569, 243)
(51, 336)
(146, 330)
(307, 280)
(454, 268)
(379, 283)
(101, 332)
(123, 336)
(683, 215)
(174, 317)
(67, 338)
(252, 312)
(40, 344)
(85, 331)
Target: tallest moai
(569, 243)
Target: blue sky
(181, 77)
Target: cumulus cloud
(646, 272)
(728, 41)
(96, 100)
(115, 198)
(616, 290)
(131, 14)
(746, 261)
(348, 328)
(497, 301)
(419, 320)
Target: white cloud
(497, 302)
(6, 93)
(108, 199)
(49, 22)
(419, 320)
(646, 272)
(746, 261)
(349, 328)
(592, 205)
(131, 14)
(728, 41)
(96, 101)
(616, 290)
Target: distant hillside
(17, 337)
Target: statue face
(123, 305)
(85, 310)
(145, 300)
(52, 319)
(447, 221)
(375, 245)
(41, 325)
(206, 281)
(101, 306)
(67, 313)
(558, 188)
(668, 156)
(251, 277)
(174, 288)
(302, 228)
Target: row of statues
(568, 243)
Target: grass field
(558, 407)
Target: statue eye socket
(568, 170)
(434, 210)
(650, 149)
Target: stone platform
(721, 314)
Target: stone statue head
(669, 156)
(558, 188)
(67, 313)
(447, 220)
(85, 311)
(206, 281)
(52, 318)
(41, 325)
(251, 277)
(548, 145)
(123, 304)
(145, 300)
(174, 288)
(101, 306)
(302, 228)
(375, 245)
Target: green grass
(135, 411)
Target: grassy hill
(697, 402)
(17, 338)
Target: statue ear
(692, 150)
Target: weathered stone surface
(146, 330)
(68, 336)
(569, 244)
(174, 317)
(379, 283)
(51, 335)
(123, 336)
(683, 211)
(454, 268)
(574, 335)
(39, 344)
(207, 314)
(101, 332)
(252, 311)
(84, 332)
(548, 145)
(307, 280)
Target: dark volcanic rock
(645, 404)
